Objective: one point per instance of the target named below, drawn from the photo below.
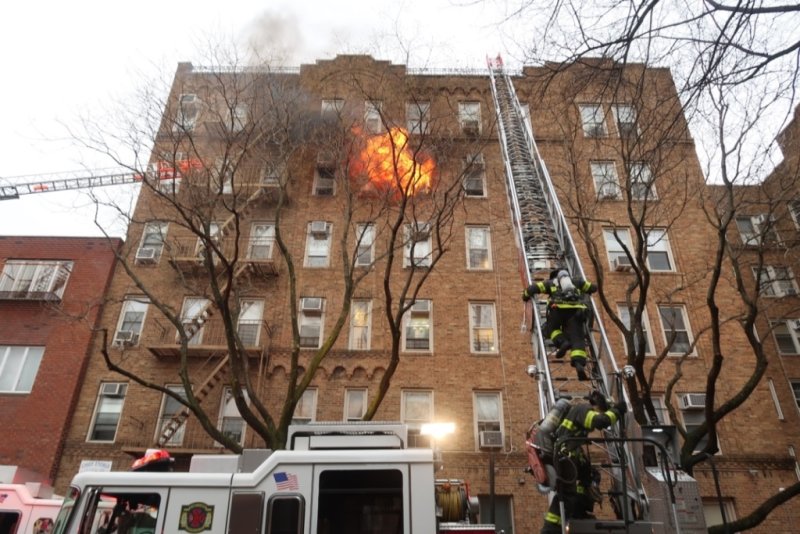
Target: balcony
(136, 437)
(210, 340)
(187, 256)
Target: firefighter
(566, 315)
(578, 484)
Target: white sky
(61, 59)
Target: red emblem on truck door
(196, 517)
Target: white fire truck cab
(333, 479)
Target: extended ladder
(544, 242)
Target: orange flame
(390, 164)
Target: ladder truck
(646, 498)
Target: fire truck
(333, 478)
(27, 508)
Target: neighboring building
(463, 354)
(51, 296)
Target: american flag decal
(286, 481)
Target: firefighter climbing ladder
(544, 241)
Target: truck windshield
(66, 510)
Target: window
(606, 180)
(193, 308)
(662, 414)
(107, 411)
(625, 317)
(474, 176)
(693, 415)
(417, 327)
(796, 391)
(213, 234)
(222, 177)
(776, 281)
(372, 116)
(757, 229)
(469, 117)
(355, 404)
(417, 117)
(34, 280)
(617, 240)
(625, 117)
(170, 408)
(659, 254)
(483, 337)
(238, 117)
(18, 368)
(787, 336)
(365, 253)
(593, 120)
(794, 211)
(311, 320)
(306, 408)
(642, 182)
(360, 323)
(418, 245)
(132, 511)
(318, 244)
(713, 514)
(488, 413)
(479, 251)
(325, 175)
(230, 420)
(331, 109)
(250, 319)
(188, 110)
(262, 237)
(131, 321)
(152, 243)
(674, 324)
(417, 409)
(342, 490)
(271, 174)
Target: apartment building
(51, 295)
(361, 197)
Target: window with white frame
(418, 245)
(625, 119)
(794, 211)
(231, 422)
(169, 186)
(662, 413)
(18, 367)
(262, 238)
(311, 317)
(131, 321)
(488, 409)
(693, 414)
(643, 186)
(251, 314)
(305, 411)
(213, 234)
(34, 279)
(676, 328)
(593, 119)
(606, 180)
(479, 248)
(271, 174)
(775, 281)
(318, 244)
(469, 117)
(222, 177)
(372, 116)
(787, 335)
(483, 334)
(416, 410)
(474, 176)
(365, 247)
(796, 391)
(193, 308)
(355, 404)
(650, 453)
(713, 515)
(757, 229)
(107, 411)
(188, 110)
(659, 253)
(331, 109)
(152, 244)
(617, 240)
(625, 317)
(417, 117)
(170, 408)
(325, 175)
(360, 324)
(418, 327)
(238, 117)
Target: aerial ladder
(544, 243)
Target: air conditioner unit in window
(693, 401)
(319, 227)
(311, 304)
(490, 439)
(421, 306)
(113, 389)
(789, 291)
(125, 339)
(622, 264)
(795, 324)
(146, 255)
(471, 127)
(607, 193)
